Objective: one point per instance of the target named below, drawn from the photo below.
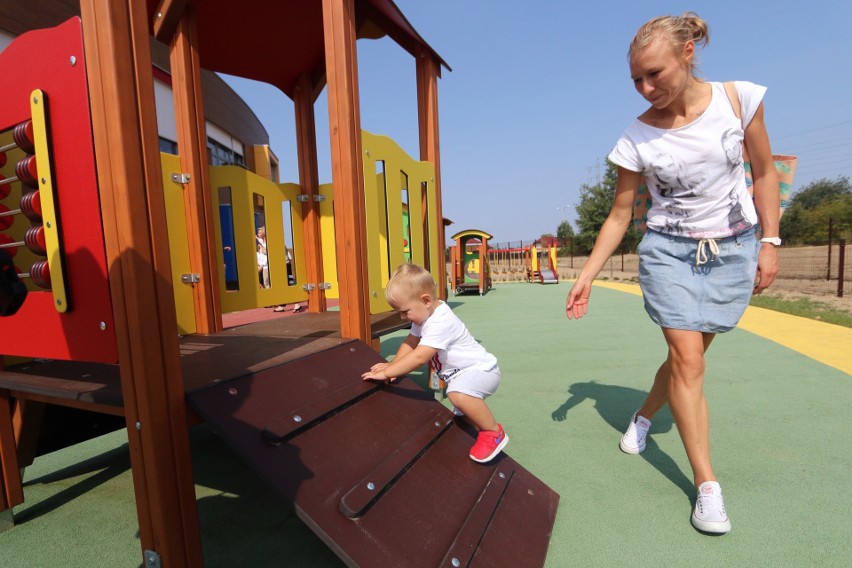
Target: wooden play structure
(471, 269)
(131, 256)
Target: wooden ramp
(379, 472)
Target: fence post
(828, 275)
(841, 262)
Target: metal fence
(818, 270)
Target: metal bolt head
(73, 61)
(232, 391)
(139, 426)
(297, 418)
(455, 562)
(102, 326)
(371, 485)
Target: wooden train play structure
(119, 262)
(470, 267)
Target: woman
(699, 257)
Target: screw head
(73, 61)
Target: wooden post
(428, 71)
(192, 145)
(124, 125)
(306, 147)
(347, 170)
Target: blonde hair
(409, 281)
(678, 31)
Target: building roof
(277, 41)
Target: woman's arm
(612, 231)
(767, 199)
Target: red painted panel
(52, 60)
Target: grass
(806, 308)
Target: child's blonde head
(409, 281)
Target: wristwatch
(771, 240)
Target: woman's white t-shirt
(457, 349)
(695, 173)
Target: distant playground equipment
(471, 268)
(131, 256)
(541, 265)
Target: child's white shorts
(475, 382)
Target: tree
(565, 234)
(593, 209)
(806, 221)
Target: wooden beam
(306, 147)
(166, 18)
(124, 126)
(347, 171)
(192, 145)
(11, 488)
(428, 71)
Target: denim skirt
(710, 296)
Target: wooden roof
(277, 41)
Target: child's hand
(377, 373)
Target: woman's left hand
(767, 267)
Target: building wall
(230, 121)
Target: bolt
(102, 326)
(370, 485)
(297, 418)
(73, 61)
(455, 562)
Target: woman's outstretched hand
(577, 303)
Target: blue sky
(540, 91)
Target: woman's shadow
(616, 404)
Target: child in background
(437, 334)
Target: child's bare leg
(475, 410)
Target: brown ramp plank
(427, 489)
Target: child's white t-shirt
(457, 349)
(695, 173)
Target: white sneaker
(633, 441)
(709, 514)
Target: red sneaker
(488, 445)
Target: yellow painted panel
(244, 185)
(329, 251)
(385, 205)
(178, 245)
